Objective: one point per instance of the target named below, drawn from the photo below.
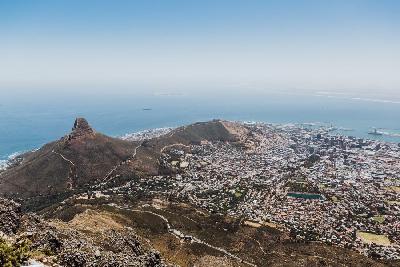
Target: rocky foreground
(102, 242)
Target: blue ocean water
(29, 121)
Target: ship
(375, 132)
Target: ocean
(29, 121)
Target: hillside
(83, 232)
(85, 157)
(91, 239)
(77, 159)
(146, 160)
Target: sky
(249, 45)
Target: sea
(30, 120)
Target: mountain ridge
(76, 159)
(84, 157)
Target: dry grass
(252, 224)
(370, 238)
(235, 129)
(92, 221)
(394, 188)
(212, 261)
(379, 219)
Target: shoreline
(156, 131)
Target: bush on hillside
(13, 254)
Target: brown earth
(79, 158)
(263, 246)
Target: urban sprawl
(317, 186)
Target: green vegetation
(311, 160)
(334, 199)
(238, 193)
(321, 186)
(304, 195)
(13, 254)
(379, 219)
(302, 186)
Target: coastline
(6, 159)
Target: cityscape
(339, 190)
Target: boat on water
(345, 129)
(375, 132)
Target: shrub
(13, 254)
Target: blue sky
(329, 45)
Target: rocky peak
(81, 128)
(81, 124)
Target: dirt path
(72, 171)
(61, 155)
(109, 177)
(182, 236)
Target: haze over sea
(29, 121)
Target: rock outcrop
(10, 216)
(72, 246)
(81, 129)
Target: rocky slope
(115, 231)
(91, 239)
(10, 216)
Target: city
(334, 189)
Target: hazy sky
(321, 45)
